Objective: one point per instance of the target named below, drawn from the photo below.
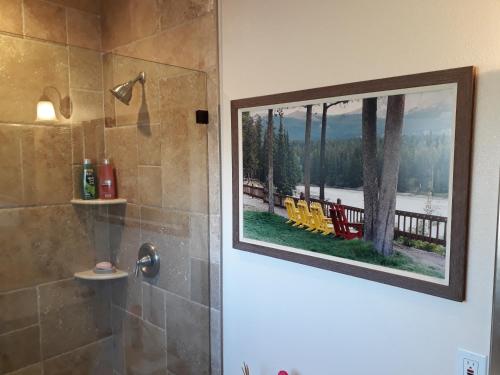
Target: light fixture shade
(45, 111)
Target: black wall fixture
(202, 117)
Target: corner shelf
(91, 275)
(98, 202)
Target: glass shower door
(159, 323)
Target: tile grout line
(21, 157)
(187, 299)
(23, 16)
(66, 26)
(80, 347)
(147, 322)
(18, 330)
(38, 305)
(54, 282)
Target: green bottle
(89, 180)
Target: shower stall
(119, 80)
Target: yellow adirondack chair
(323, 224)
(292, 211)
(306, 219)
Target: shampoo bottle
(88, 180)
(107, 182)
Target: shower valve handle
(148, 261)
(145, 261)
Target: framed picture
(369, 179)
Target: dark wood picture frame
(464, 79)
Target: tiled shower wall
(168, 170)
(49, 322)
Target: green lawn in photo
(272, 228)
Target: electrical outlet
(469, 363)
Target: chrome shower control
(148, 261)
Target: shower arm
(141, 78)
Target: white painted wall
(279, 314)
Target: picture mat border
(464, 79)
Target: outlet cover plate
(476, 362)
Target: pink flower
(282, 372)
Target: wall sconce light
(45, 111)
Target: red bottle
(107, 182)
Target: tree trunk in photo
(307, 154)
(370, 179)
(270, 172)
(322, 166)
(384, 233)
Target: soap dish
(104, 271)
(92, 275)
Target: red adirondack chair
(342, 226)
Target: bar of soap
(104, 267)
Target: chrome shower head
(123, 92)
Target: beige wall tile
(150, 188)
(58, 245)
(127, 293)
(85, 69)
(121, 148)
(30, 370)
(77, 144)
(191, 45)
(93, 359)
(198, 227)
(215, 341)
(109, 100)
(115, 24)
(215, 239)
(145, 18)
(47, 165)
(128, 20)
(165, 222)
(213, 141)
(11, 17)
(87, 106)
(12, 357)
(84, 29)
(215, 286)
(124, 233)
(44, 20)
(91, 6)
(174, 274)
(184, 144)
(153, 300)
(169, 232)
(18, 309)
(11, 179)
(175, 12)
(73, 313)
(141, 345)
(200, 285)
(188, 336)
(149, 138)
(29, 67)
(77, 171)
(93, 140)
(127, 184)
